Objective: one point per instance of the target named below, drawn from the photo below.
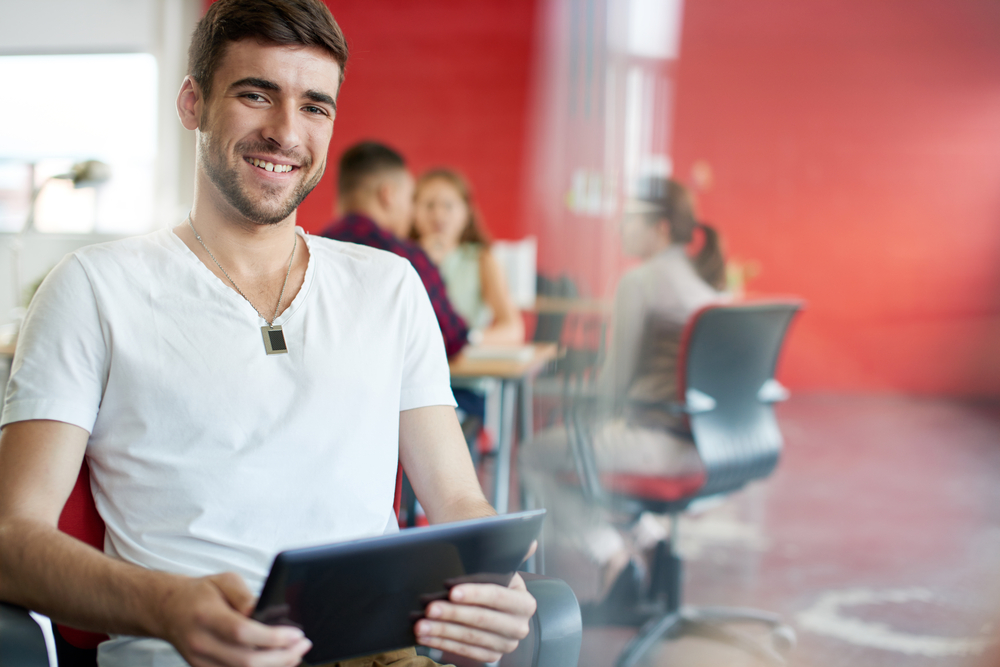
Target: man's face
(399, 204)
(265, 131)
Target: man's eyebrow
(254, 82)
(323, 98)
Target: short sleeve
(60, 366)
(426, 378)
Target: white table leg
(527, 411)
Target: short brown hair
(305, 22)
(364, 160)
(473, 231)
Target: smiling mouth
(269, 166)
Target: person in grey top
(653, 302)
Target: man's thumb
(235, 591)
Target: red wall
(856, 153)
(443, 81)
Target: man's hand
(206, 621)
(479, 621)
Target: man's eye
(254, 97)
(312, 109)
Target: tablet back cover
(365, 596)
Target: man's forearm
(69, 581)
(460, 509)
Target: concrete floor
(877, 539)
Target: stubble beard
(267, 208)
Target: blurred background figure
(654, 300)
(375, 195)
(638, 379)
(448, 227)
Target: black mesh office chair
(726, 370)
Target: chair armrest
(694, 403)
(22, 642)
(772, 391)
(556, 628)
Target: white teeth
(270, 166)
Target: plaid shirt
(357, 228)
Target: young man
(237, 387)
(375, 193)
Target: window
(65, 109)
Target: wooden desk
(466, 366)
(562, 305)
(515, 377)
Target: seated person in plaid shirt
(375, 193)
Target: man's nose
(282, 127)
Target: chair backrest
(80, 519)
(726, 376)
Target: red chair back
(80, 519)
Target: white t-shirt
(206, 454)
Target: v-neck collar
(220, 285)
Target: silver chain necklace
(274, 339)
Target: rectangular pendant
(274, 340)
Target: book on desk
(499, 352)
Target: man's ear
(190, 103)
(663, 229)
(384, 192)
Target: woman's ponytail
(710, 262)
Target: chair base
(710, 622)
(657, 611)
(665, 619)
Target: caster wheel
(783, 638)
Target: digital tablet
(364, 596)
